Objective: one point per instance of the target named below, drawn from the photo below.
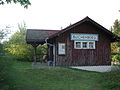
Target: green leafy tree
(116, 30)
(116, 45)
(3, 33)
(116, 27)
(18, 47)
(24, 3)
(1, 45)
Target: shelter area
(85, 43)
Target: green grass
(23, 77)
(112, 80)
(55, 79)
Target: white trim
(82, 45)
(93, 44)
(75, 45)
(60, 50)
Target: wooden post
(35, 52)
(47, 53)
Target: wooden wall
(80, 57)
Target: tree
(116, 30)
(3, 33)
(116, 27)
(24, 3)
(116, 45)
(18, 47)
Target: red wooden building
(83, 43)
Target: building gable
(90, 21)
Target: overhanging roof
(38, 35)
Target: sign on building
(84, 37)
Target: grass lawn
(23, 77)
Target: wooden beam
(35, 52)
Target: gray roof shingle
(38, 35)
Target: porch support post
(47, 53)
(35, 52)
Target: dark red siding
(76, 57)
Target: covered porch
(38, 37)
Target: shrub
(116, 58)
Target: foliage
(1, 50)
(112, 79)
(116, 27)
(3, 33)
(116, 45)
(24, 3)
(18, 47)
(116, 57)
(115, 53)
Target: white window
(91, 45)
(61, 48)
(78, 45)
(84, 44)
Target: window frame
(88, 45)
(83, 44)
(76, 45)
(59, 51)
(93, 45)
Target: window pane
(78, 44)
(61, 48)
(91, 45)
(84, 44)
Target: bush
(25, 52)
(116, 58)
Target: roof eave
(35, 41)
(86, 19)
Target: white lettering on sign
(90, 37)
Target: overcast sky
(54, 14)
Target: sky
(54, 14)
